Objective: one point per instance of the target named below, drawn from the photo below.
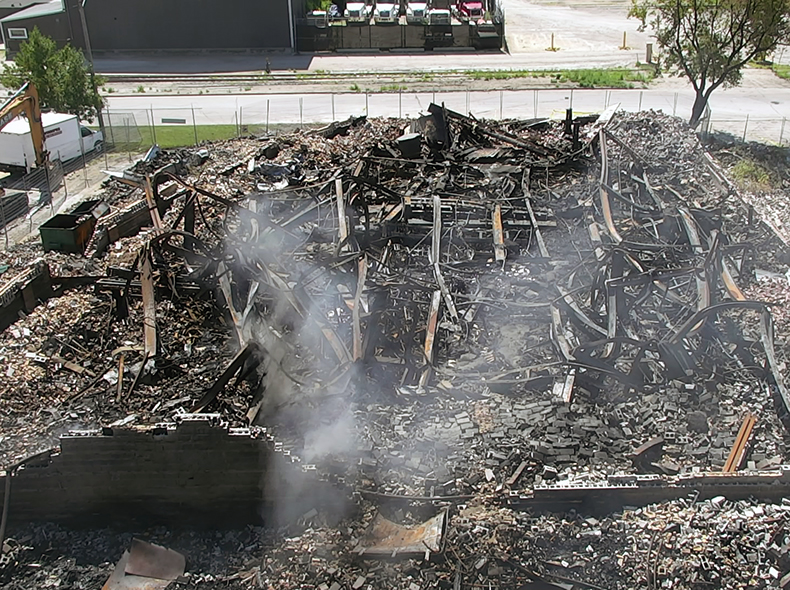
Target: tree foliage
(710, 41)
(60, 75)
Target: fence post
(782, 130)
(128, 145)
(571, 105)
(84, 164)
(267, 115)
(675, 106)
(400, 103)
(640, 100)
(333, 107)
(745, 125)
(153, 124)
(367, 111)
(194, 123)
(535, 101)
(241, 119)
(500, 104)
(301, 120)
(468, 108)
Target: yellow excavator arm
(25, 100)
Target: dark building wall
(56, 26)
(198, 473)
(4, 12)
(187, 24)
(196, 470)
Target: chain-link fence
(32, 198)
(242, 114)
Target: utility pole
(81, 8)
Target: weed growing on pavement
(783, 71)
(141, 89)
(606, 78)
(392, 88)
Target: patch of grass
(392, 88)
(609, 78)
(141, 89)
(751, 175)
(110, 90)
(426, 77)
(172, 136)
(605, 78)
(782, 71)
(500, 74)
(355, 88)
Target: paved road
(766, 107)
(436, 61)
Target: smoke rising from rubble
(318, 419)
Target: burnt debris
(464, 325)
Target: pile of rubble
(441, 314)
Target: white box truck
(64, 138)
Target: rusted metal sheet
(387, 539)
(146, 567)
(154, 561)
(119, 580)
(739, 448)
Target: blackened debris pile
(440, 312)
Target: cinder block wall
(197, 473)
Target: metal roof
(19, 3)
(20, 125)
(51, 7)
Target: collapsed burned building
(543, 342)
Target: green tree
(710, 41)
(60, 75)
